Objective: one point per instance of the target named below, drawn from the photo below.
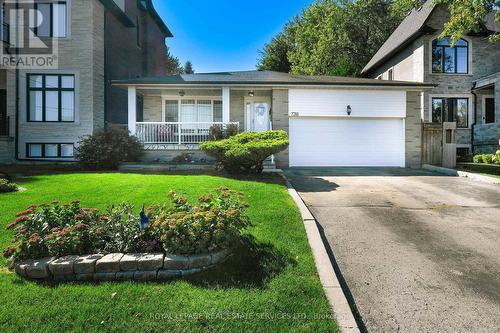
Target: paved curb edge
(331, 285)
(463, 174)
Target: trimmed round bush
(246, 152)
(106, 149)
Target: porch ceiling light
(349, 110)
(251, 93)
(182, 93)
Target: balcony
(175, 133)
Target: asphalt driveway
(419, 252)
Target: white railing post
(179, 129)
(132, 110)
(226, 104)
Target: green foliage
(106, 149)
(67, 229)
(7, 186)
(173, 64)
(220, 132)
(274, 57)
(183, 158)
(246, 152)
(214, 223)
(331, 38)
(496, 158)
(119, 231)
(478, 158)
(488, 158)
(51, 229)
(401, 8)
(468, 15)
(188, 68)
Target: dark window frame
(446, 103)
(455, 54)
(44, 89)
(51, 34)
(390, 74)
(59, 150)
(492, 119)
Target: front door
(489, 110)
(257, 117)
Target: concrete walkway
(419, 252)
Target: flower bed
(48, 234)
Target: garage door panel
(346, 142)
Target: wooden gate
(432, 144)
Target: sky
(224, 35)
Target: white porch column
(132, 109)
(226, 102)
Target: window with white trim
(193, 110)
(51, 19)
(51, 98)
(49, 150)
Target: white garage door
(347, 142)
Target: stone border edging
(331, 285)
(463, 174)
(118, 266)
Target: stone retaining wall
(118, 266)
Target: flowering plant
(215, 222)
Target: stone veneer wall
(413, 130)
(118, 266)
(280, 120)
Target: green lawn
(271, 285)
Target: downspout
(105, 68)
(16, 135)
(475, 117)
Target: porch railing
(175, 132)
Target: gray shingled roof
(405, 32)
(260, 77)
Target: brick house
(467, 76)
(98, 41)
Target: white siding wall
(333, 103)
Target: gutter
(474, 122)
(407, 85)
(16, 135)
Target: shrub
(214, 223)
(246, 152)
(7, 186)
(52, 229)
(119, 230)
(477, 158)
(106, 149)
(55, 229)
(183, 158)
(496, 158)
(218, 132)
(487, 158)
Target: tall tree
(330, 37)
(466, 15)
(173, 64)
(469, 15)
(188, 68)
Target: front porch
(181, 118)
